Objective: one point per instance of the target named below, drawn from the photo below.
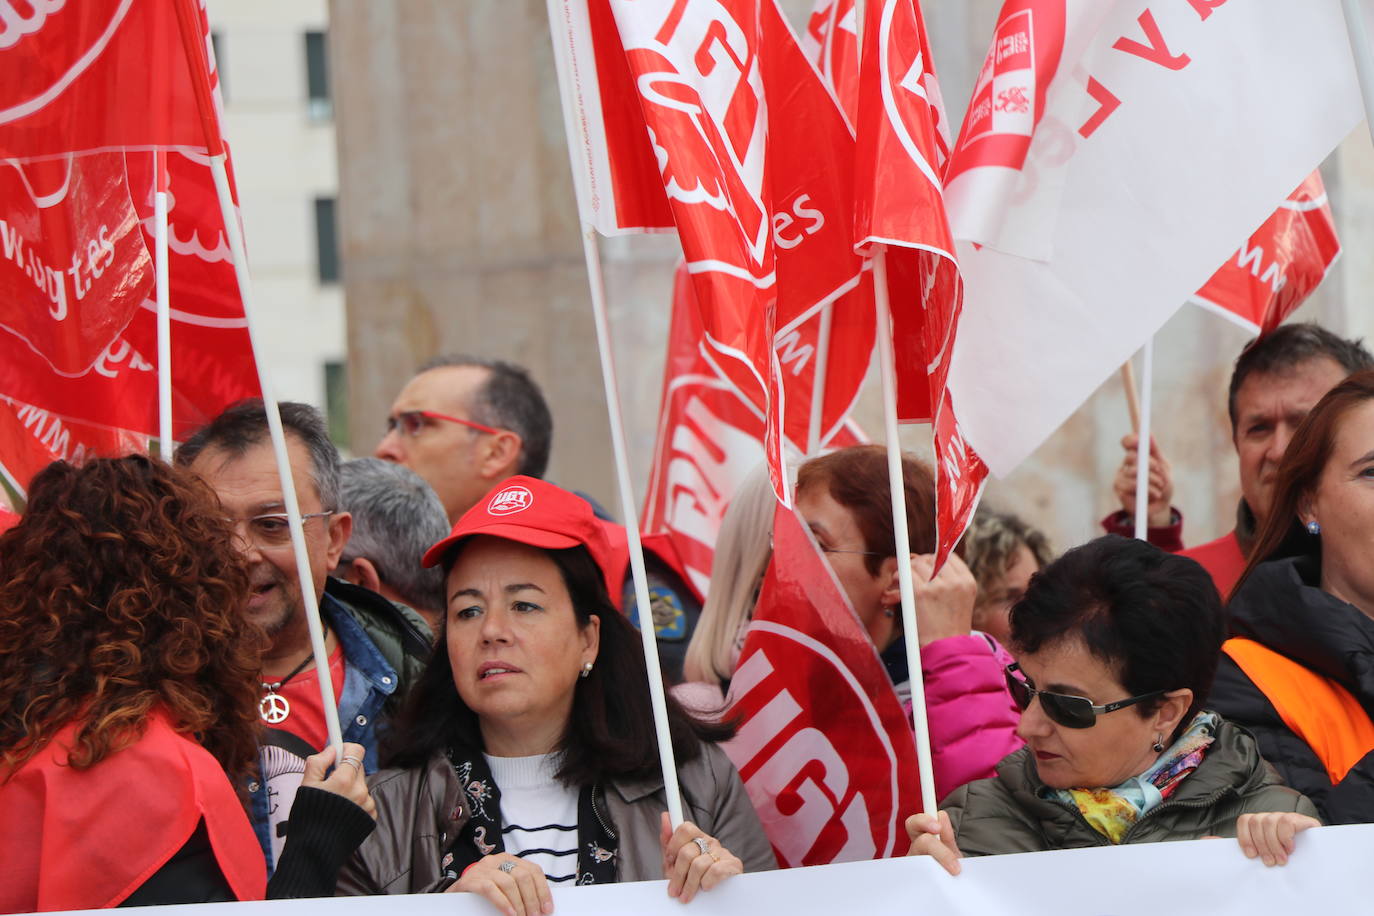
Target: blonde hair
(743, 548)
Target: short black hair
(511, 400)
(1155, 618)
(1287, 346)
(241, 426)
(611, 730)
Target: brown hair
(856, 478)
(1283, 535)
(122, 591)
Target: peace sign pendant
(274, 708)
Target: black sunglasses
(1065, 710)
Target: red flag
(31, 438)
(824, 747)
(73, 266)
(99, 74)
(1279, 265)
(831, 42)
(900, 203)
(710, 435)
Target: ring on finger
(507, 867)
(705, 846)
(352, 761)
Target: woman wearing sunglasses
(1116, 645)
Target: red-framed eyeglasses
(411, 422)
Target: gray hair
(396, 518)
(509, 399)
(991, 542)
(241, 426)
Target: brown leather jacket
(420, 810)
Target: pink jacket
(972, 717)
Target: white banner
(1327, 874)
(1166, 137)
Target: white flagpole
(1142, 453)
(164, 308)
(813, 434)
(897, 486)
(192, 46)
(657, 697)
(565, 67)
(1364, 57)
(288, 484)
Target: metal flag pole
(195, 59)
(897, 486)
(164, 309)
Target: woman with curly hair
(129, 704)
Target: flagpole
(897, 487)
(195, 59)
(164, 309)
(1364, 57)
(813, 434)
(657, 696)
(1142, 447)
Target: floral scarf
(597, 844)
(1113, 811)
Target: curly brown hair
(120, 590)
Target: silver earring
(1158, 746)
(1313, 528)
(586, 669)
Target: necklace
(273, 707)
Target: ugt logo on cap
(510, 500)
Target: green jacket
(402, 636)
(1006, 814)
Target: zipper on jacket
(1207, 802)
(596, 812)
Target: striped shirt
(538, 814)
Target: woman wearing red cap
(526, 754)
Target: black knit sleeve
(325, 830)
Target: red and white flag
(831, 42)
(31, 438)
(76, 228)
(899, 204)
(98, 75)
(824, 748)
(1112, 157)
(758, 199)
(710, 436)
(1279, 265)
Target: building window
(321, 102)
(326, 240)
(217, 49)
(336, 402)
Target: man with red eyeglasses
(465, 424)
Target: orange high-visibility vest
(1317, 709)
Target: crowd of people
(164, 739)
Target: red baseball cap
(529, 511)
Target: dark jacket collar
(1282, 607)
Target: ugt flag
(900, 213)
(824, 748)
(1279, 265)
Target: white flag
(1110, 159)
